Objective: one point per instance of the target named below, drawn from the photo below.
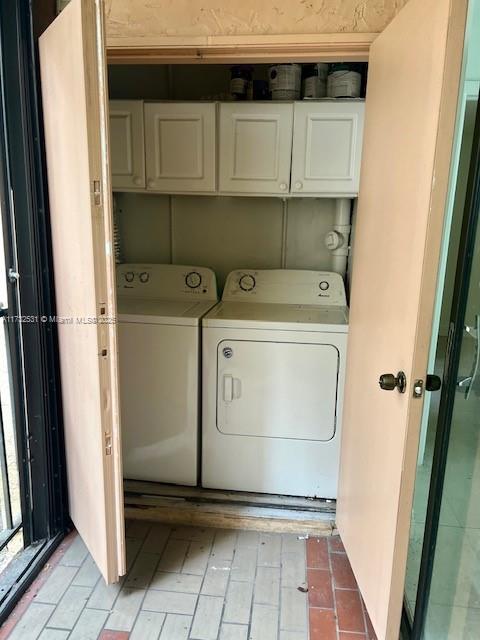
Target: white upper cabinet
(180, 146)
(327, 147)
(255, 147)
(127, 144)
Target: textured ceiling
(247, 17)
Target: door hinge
(108, 444)
(97, 193)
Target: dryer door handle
(232, 388)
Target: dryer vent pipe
(337, 240)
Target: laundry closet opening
(234, 214)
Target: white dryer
(159, 312)
(273, 378)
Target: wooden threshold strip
(228, 510)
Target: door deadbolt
(389, 382)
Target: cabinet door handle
(137, 181)
(283, 186)
(298, 185)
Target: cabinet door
(255, 147)
(180, 146)
(127, 147)
(327, 147)
(75, 112)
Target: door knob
(389, 382)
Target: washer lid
(289, 317)
(185, 312)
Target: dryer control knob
(324, 285)
(193, 279)
(129, 276)
(247, 282)
(144, 277)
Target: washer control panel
(166, 282)
(286, 286)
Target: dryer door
(277, 389)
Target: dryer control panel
(285, 286)
(166, 282)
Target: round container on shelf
(315, 80)
(344, 82)
(285, 81)
(241, 82)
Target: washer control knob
(129, 276)
(193, 279)
(247, 282)
(324, 286)
(144, 277)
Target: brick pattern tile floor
(186, 583)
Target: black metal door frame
(33, 343)
(414, 629)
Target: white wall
(225, 233)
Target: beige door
(410, 111)
(76, 136)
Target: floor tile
(233, 632)
(196, 559)
(344, 635)
(238, 602)
(107, 634)
(70, 607)
(293, 543)
(137, 529)
(75, 554)
(125, 609)
(147, 626)
(156, 538)
(196, 534)
(173, 556)
(167, 602)
(32, 622)
(322, 625)
(349, 611)
(244, 564)
(267, 586)
(176, 627)
(206, 621)
(88, 574)
(53, 634)
(317, 553)
(320, 593)
(293, 570)
(335, 544)
(104, 595)
(89, 625)
(293, 610)
(248, 539)
(56, 585)
(269, 550)
(224, 544)
(142, 570)
(293, 635)
(342, 572)
(264, 623)
(216, 577)
(180, 582)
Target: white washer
(273, 377)
(159, 312)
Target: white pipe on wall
(337, 240)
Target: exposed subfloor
(187, 583)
